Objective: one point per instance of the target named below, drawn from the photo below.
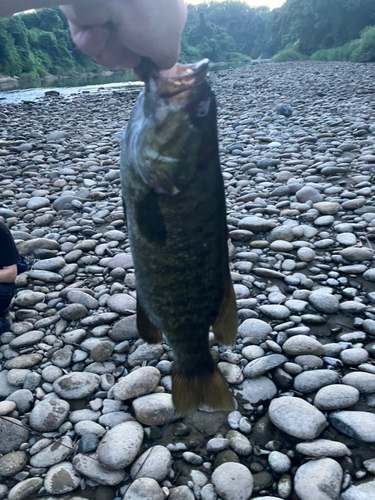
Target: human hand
(120, 32)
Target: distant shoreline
(13, 82)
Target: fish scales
(177, 229)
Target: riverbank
(301, 218)
(81, 79)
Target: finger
(90, 40)
(151, 28)
(96, 12)
(115, 54)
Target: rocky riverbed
(85, 405)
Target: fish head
(169, 135)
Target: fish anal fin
(147, 330)
(225, 324)
(189, 393)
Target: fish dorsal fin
(147, 330)
(225, 324)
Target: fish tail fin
(210, 389)
(225, 324)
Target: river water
(30, 91)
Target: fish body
(175, 208)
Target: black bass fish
(175, 209)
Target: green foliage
(288, 54)
(249, 27)
(363, 50)
(39, 43)
(33, 45)
(209, 40)
(321, 24)
(359, 50)
(337, 54)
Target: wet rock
(312, 381)
(53, 454)
(254, 329)
(357, 424)
(61, 478)
(260, 366)
(319, 480)
(301, 344)
(336, 397)
(25, 489)
(154, 409)
(88, 466)
(137, 383)
(363, 491)
(120, 445)
(155, 463)
(48, 415)
(11, 463)
(297, 417)
(12, 435)
(233, 481)
(76, 385)
(144, 488)
(323, 448)
(256, 390)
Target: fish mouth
(180, 78)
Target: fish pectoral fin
(210, 389)
(147, 330)
(225, 324)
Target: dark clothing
(8, 251)
(6, 295)
(8, 257)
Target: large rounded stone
(313, 380)
(353, 254)
(76, 385)
(53, 454)
(122, 303)
(255, 330)
(302, 344)
(11, 435)
(233, 481)
(73, 312)
(275, 311)
(137, 383)
(322, 448)
(356, 424)
(324, 302)
(12, 463)
(336, 397)
(125, 329)
(257, 224)
(120, 445)
(256, 390)
(154, 409)
(155, 463)
(297, 417)
(25, 489)
(77, 296)
(61, 478)
(48, 415)
(319, 480)
(29, 298)
(89, 466)
(144, 488)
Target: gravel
(301, 217)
